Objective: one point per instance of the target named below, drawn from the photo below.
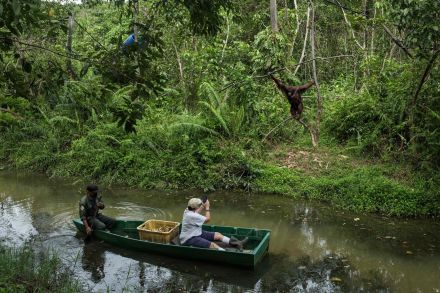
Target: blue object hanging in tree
(129, 41)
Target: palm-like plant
(227, 120)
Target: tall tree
(316, 131)
(274, 15)
(69, 67)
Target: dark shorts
(203, 241)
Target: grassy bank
(336, 175)
(24, 270)
(185, 158)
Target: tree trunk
(179, 62)
(367, 17)
(424, 76)
(296, 30)
(366, 36)
(416, 95)
(397, 41)
(273, 15)
(372, 49)
(316, 129)
(136, 35)
(69, 67)
(225, 42)
(135, 20)
(181, 73)
(305, 41)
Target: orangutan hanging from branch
(293, 95)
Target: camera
(204, 198)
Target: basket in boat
(158, 231)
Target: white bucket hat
(194, 203)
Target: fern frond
(212, 94)
(217, 115)
(433, 113)
(194, 126)
(61, 119)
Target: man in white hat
(192, 233)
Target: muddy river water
(313, 247)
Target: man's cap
(194, 203)
(92, 188)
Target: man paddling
(89, 207)
(192, 234)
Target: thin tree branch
(238, 82)
(305, 41)
(397, 41)
(344, 7)
(278, 125)
(48, 50)
(424, 76)
(93, 38)
(87, 60)
(387, 30)
(413, 104)
(349, 25)
(281, 123)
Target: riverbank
(330, 174)
(337, 176)
(24, 270)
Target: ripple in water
(132, 211)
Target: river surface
(313, 247)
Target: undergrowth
(24, 270)
(170, 154)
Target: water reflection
(278, 273)
(160, 269)
(93, 260)
(314, 248)
(16, 221)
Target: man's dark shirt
(88, 207)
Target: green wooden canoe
(125, 234)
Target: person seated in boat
(192, 234)
(89, 207)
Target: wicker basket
(158, 231)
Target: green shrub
(277, 180)
(376, 119)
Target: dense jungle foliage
(190, 103)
